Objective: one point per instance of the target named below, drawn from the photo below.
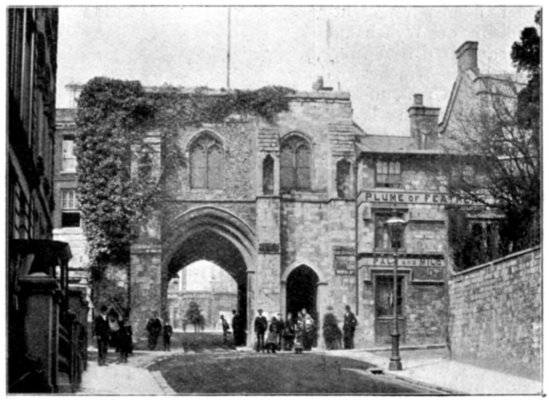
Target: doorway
(301, 291)
(384, 312)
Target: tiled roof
(400, 145)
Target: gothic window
(343, 178)
(206, 159)
(268, 175)
(295, 164)
(388, 174)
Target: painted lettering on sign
(383, 260)
(409, 198)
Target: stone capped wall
(495, 311)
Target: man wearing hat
(260, 326)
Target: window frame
(207, 143)
(377, 214)
(68, 160)
(70, 207)
(295, 144)
(392, 179)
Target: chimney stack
(466, 56)
(423, 123)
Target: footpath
(430, 368)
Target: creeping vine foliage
(113, 119)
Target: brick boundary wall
(495, 312)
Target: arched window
(343, 178)
(206, 159)
(295, 164)
(268, 175)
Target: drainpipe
(356, 236)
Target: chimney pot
(418, 99)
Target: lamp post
(395, 227)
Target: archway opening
(213, 291)
(213, 271)
(301, 291)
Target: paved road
(219, 371)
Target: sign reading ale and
(404, 260)
(379, 196)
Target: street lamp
(395, 227)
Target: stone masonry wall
(495, 311)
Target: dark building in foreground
(45, 340)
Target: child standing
(272, 338)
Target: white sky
(381, 55)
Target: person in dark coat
(102, 333)
(167, 332)
(236, 324)
(260, 326)
(125, 340)
(330, 330)
(154, 328)
(349, 326)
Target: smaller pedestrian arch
(301, 283)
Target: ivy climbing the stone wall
(113, 119)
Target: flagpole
(228, 48)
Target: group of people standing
(155, 328)
(300, 333)
(332, 333)
(112, 330)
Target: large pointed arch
(213, 220)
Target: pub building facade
(395, 182)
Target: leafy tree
(194, 316)
(499, 165)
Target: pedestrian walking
(289, 333)
(260, 326)
(153, 328)
(102, 334)
(125, 340)
(167, 332)
(349, 325)
(226, 328)
(330, 330)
